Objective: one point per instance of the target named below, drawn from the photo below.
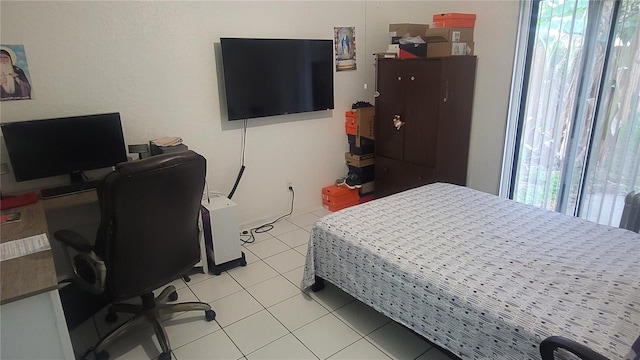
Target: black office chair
(148, 236)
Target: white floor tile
(178, 284)
(188, 327)
(249, 256)
(256, 331)
(285, 261)
(258, 236)
(281, 227)
(303, 219)
(361, 317)
(235, 307)
(398, 342)
(141, 345)
(216, 345)
(361, 349)
(268, 248)
(320, 212)
(302, 249)
(273, 291)
(326, 336)
(198, 277)
(297, 311)
(331, 297)
(184, 295)
(215, 288)
(252, 273)
(295, 238)
(287, 347)
(295, 276)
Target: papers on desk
(25, 246)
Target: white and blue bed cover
(483, 276)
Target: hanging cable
(242, 167)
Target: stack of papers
(22, 247)
(167, 141)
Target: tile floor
(263, 314)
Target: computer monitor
(69, 145)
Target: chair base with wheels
(152, 311)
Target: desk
(33, 324)
(33, 274)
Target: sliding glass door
(577, 136)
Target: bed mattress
(482, 276)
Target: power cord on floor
(247, 236)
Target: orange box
(336, 207)
(335, 191)
(351, 123)
(359, 122)
(340, 202)
(336, 197)
(454, 20)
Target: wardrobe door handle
(446, 91)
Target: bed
(482, 276)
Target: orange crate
(454, 20)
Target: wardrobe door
(421, 111)
(391, 101)
(454, 129)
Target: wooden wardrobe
(422, 121)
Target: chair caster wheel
(210, 315)
(103, 355)
(165, 356)
(111, 318)
(173, 296)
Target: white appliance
(221, 234)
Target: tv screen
(69, 145)
(267, 77)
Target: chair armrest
(552, 343)
(90, 272)
(74, 240)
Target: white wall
(154, 62)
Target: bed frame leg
(318, 285)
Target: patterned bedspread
(482, 276)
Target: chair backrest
(631, 213)
(148, 234)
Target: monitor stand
(78, 184)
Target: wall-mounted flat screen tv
(267, 77)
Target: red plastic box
(454, 20)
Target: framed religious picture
(14, 73)
(345, 48)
